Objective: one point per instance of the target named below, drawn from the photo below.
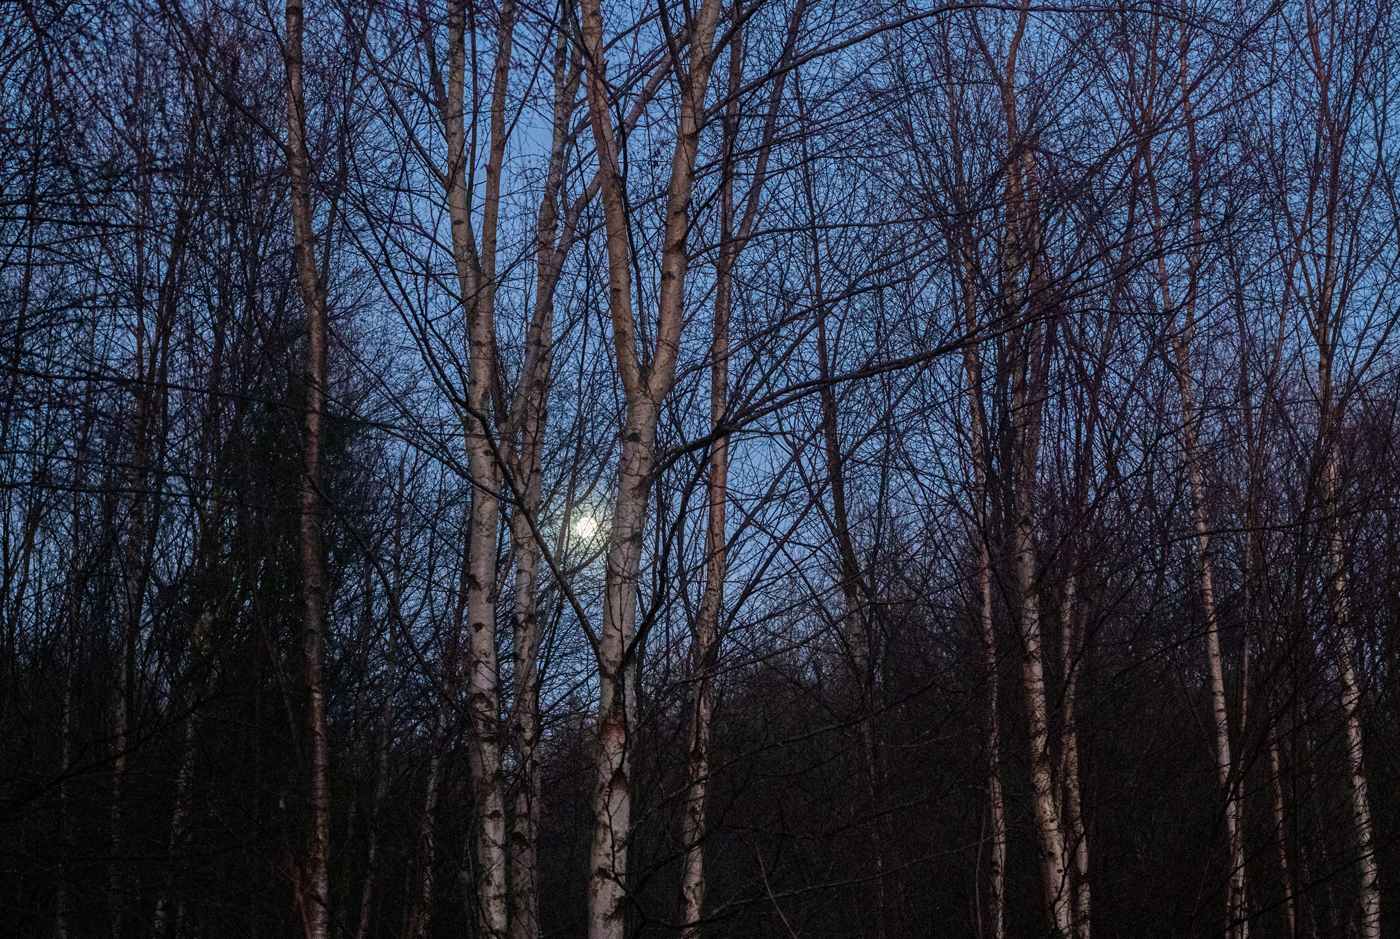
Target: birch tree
(313, 878)
(705, 647)
(1182, 315)
(1327, 269)
(645, 383)
(1022, 286)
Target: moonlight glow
(586, 527)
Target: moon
(586, 527)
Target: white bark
(528, 418)
(476, 281)
(1280, 834)
(965, 249)
(645, 387)
(1021, 258)
(1327, 314)
(1237, 923)
(1347, 673)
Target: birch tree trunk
(529, 413)
(964, 250)
(313, 880)
(1326, 290)
(1076, 839)
(1237, 925)
(1370, 902)
(1021, 286)
(476, 277)
(705, 650)
(524, 886)
(1025, 434)
(1280, 833)
(645, 386)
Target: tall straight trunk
(483, 709)
(1347, 673)
(476, 277)
(313, 880)
(528, 418)
(1332, 190)
(964, 249)
(1073, 641)
(645, 387)
(612, 801)
(420, 896)
(1025, 430)
(1021, 287)
(996, 875)
(705, 650)
(1076, 839)
(525, 731)
(1237, 924)
(1280, 833)
(972, 366)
